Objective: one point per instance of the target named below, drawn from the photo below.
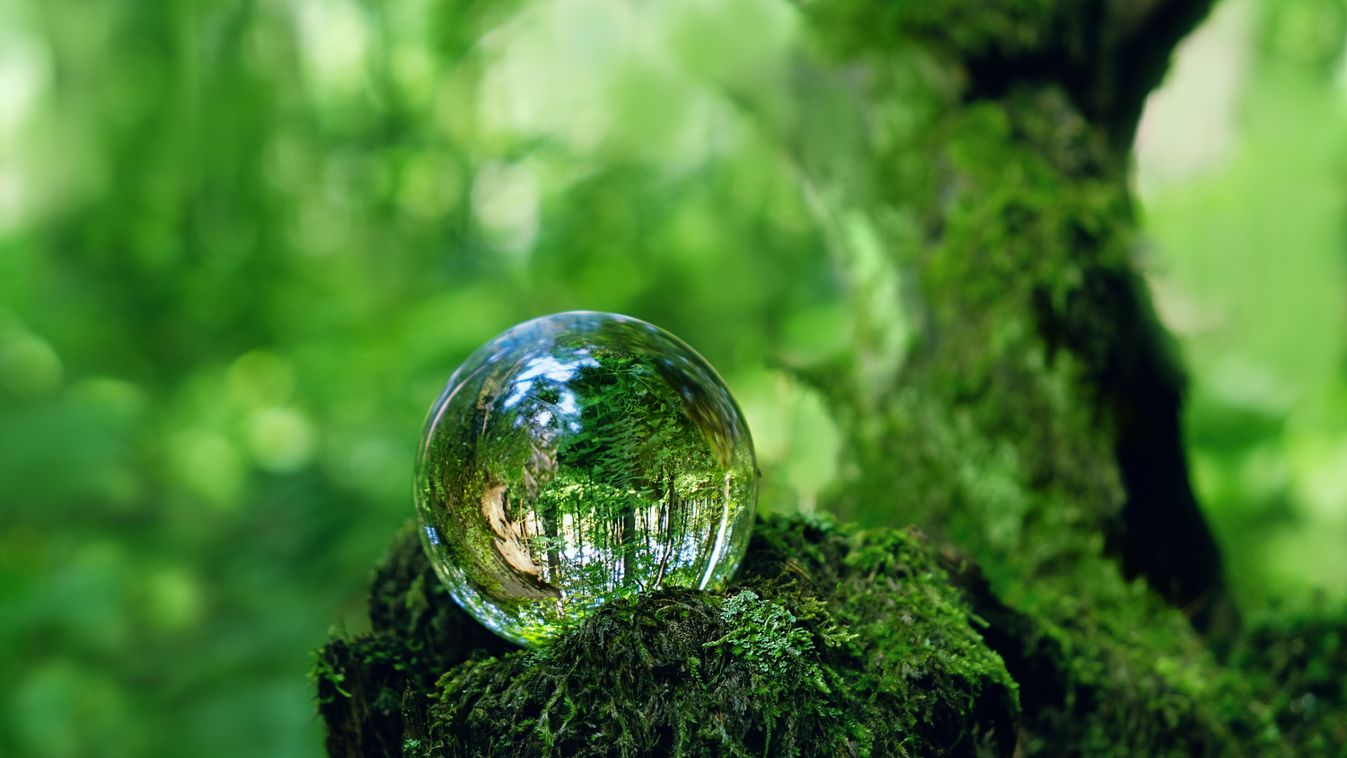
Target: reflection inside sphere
(576, 458)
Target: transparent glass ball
(577, 458)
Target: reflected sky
(552, 369)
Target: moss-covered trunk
(1033, 425)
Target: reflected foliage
(578, 458)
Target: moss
(995, 435)
(416, 633)
(833, 642)
(767, 668)
(1296, 660)
(1004, 440)
(962, 29)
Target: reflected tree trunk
(552, 532)
(627, 544)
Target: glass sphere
(577, 458)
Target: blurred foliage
(1245, 208)
(242, 247)
(243, 244)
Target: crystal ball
(578, 458)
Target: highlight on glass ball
(578, 458)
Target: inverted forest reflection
(577, 458)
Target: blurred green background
(244, 243)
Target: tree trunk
(1034, 424)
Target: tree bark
(1036, 331)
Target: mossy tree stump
(831, 642)
(1033, 423)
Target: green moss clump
(1296, 660)
(809, 655)
(417, 632)
(675, 672)
(833, 642)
